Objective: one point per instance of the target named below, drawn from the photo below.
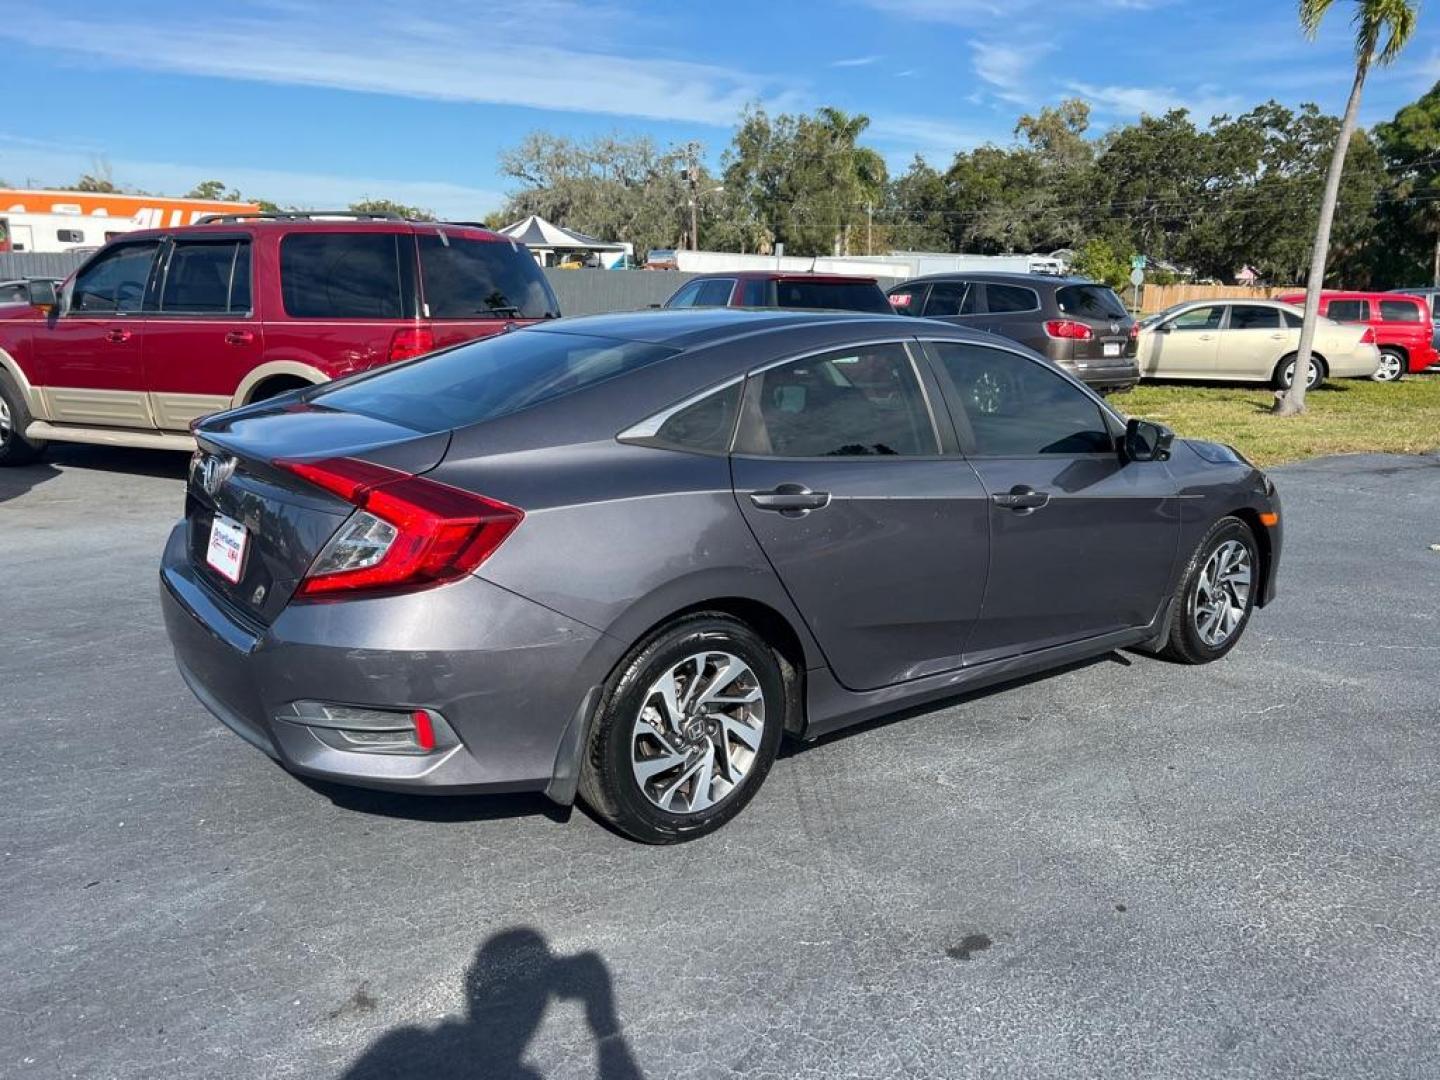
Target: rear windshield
(468, 279)
(1090, 302)
(489, 378)
(834, 295)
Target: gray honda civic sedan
(623, 556)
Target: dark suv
(1079, 325)
(776, 289)
(163, 326)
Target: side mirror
(42, 293)
(1146, 440)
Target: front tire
(1391, 367)
(686, 730)
(1212, 605)
(15, 448)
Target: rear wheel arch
(294, 369)
(275, 385)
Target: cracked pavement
(1126, 869)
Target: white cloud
(1007, 68)
(1130, 101)
(475, 54)
(903, 137)
(48, 164)
(977, 12)
(855, 61)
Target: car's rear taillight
(408, 533)
(1368, 337)
(1069, 329)
(411, 341)
(1134, 330)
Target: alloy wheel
(698, 732)
(1389, 368)
(1222, 593)
(6, 424)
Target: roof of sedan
(1000, 277)
(687, 328)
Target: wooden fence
(1160, 297)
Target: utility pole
(692, 181)
(869, 228)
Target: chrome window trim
(650, 427)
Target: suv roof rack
(300, 215)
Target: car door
(1187, 346)
(1252, 342)
(92, 356)
(880, 539)
(1082, 543)
(202, 337)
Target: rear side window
(1349, 310)
(1089, 302)
(833, 295)
(854, 403)
(1399, 311)
(951, 298)
(705, 426)
(1005, 299)
(490, 378)
(1249, 317)
(468, 279)
(1018, 408)
(1292, 320)
(114, 282)
(334, 275)
(207, 277)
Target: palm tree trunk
(1292, 402)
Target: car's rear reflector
(410, 533)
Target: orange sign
(146, 211)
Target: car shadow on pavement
(163, 464)
(509, 986)
(17, 481)
(437, 808)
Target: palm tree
(1394, 21)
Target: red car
(1403, 327)
(775, 289)
(160, 327)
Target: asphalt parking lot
(1127, 869)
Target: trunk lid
(286, 521)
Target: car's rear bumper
(506, 675)
(1106, 377)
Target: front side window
(686, 296)
(712, 292)
(1203, 318)
(336, 275)
(1016, 407)
(1251, 317)
(115, 282)
(1349, 310)
(864, 402)
(207, 277)
(1400, 311)
(1005, 299)
(477, 279)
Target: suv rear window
(1400, 311)
(1090, 302)
(833, 295)
(464, 279)
(335, 275)
(489, 378)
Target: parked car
(1250, 341)
(164, 326)
(1428, 293)
(21, 290)
(1403, 327)
(1081, 326)
(628, 552)
(773, 289)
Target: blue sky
(319, 104)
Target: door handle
(792, 500)
(1021, 499)
(117, 337)
(1278, 337)
(239, 337)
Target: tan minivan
(1249, 341)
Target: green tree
(916, 209)
(1382, 27)
(213, 189)
(1410, 146)
(1098, 260)
(368, 205)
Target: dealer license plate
(226, 554)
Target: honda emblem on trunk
(212, 472)
(1114, 328)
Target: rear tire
(15, 448)
(1391, 367)
(1216, 595)
(1285, 371)
(662, 780)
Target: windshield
(489, 378)
(833, 295)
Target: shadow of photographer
(508, 989)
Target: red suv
(776, 289)
(163, 326)
(1403, 327)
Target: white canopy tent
(550, 243)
